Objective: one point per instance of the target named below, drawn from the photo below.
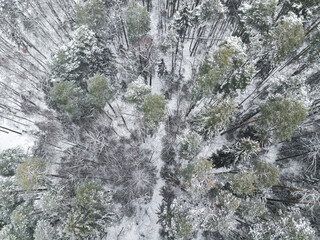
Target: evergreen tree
(92, 212)
(44, 231)
(209, 9)
(243, 183)
(289, 225)
(9, 200)
(69, 98)
(268, 175)
(245, 148)
(286, 36)
(8, 233)
(23, 222)
(198, 177)
(259, 15)
(52, 202)
(281, 116)
(9, 159)
(229, 69)
(183, 20)
(31, 173)
(138, 21)
(189, 145)
(213, 118)
(81, 58)
(252, 208)
(138, 91)
(100, 90)
(90, 13)
(153, 109)
(180, 222)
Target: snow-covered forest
(159, 119)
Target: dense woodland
(160, 119)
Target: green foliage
(209, 9)
(182, 226)
(153, 109)
(69, 98)
(287, 226)
(243, 183)
(268, 175)
(23, 222)
(230, 54)
(31, 173)
(88, 193)
(226, 201)
(198, 177)
(245, 148)
(183, 19)
(79, 224)
(138, 21)
(252, 208)
(44, 231)
(90, 13)
(138, 91)
(92, 211)
(180, 222)
(100, 90)
(189, 145)
(9, 159)
(7, 233)
(258, 15)
(9, 200)
(51, 202)
(281, 116)
(229, 69)
(286, 36)
(82, 57)
(208, 78)
(213, 118)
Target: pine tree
(213, 118)
(259, 15)
(153, 109)
(90, 13)
(44, 231)
(9, 200)
(245, 148)
(138, 21)
(31, 173)
(198, 177)
(268, 175)
(7, 233)
(51, 202)
(288, 225)
(189, 145)
(209, 9)
(100, 91)
(9, 159)
(281, 116)
(183, 20)
(180, 222)
(138, 91)
(227, 71)
(23, 222)
(252, 208)
(286, 36)
(81, 58)
(243, 183)
(69, 98)
(92, 212)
